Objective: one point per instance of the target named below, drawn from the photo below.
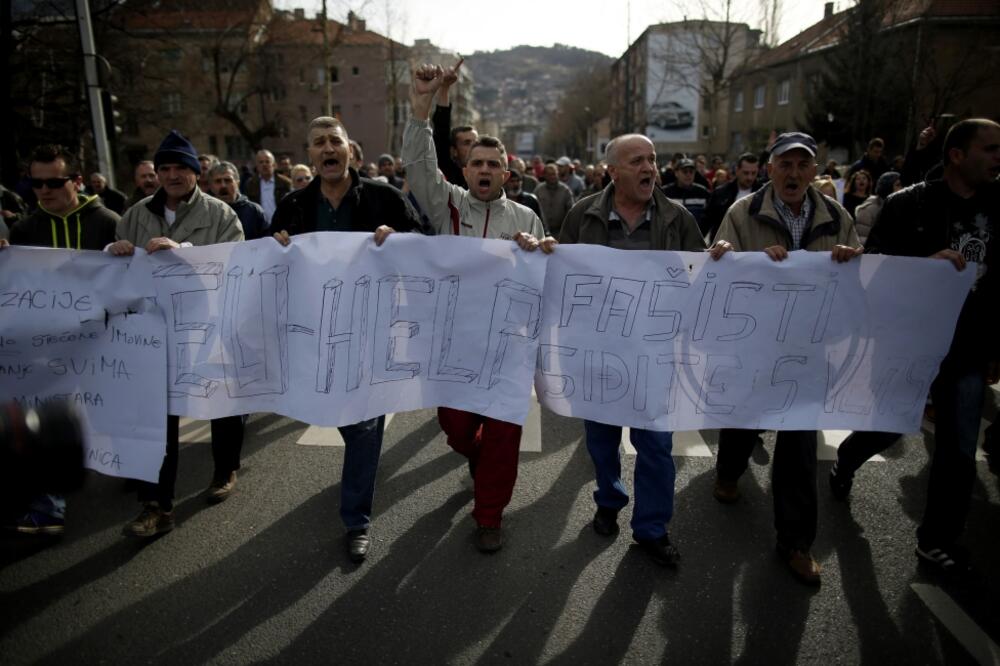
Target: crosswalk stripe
(962, 627)
(327, 436)
(686, 443)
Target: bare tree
(585, 102)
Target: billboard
(673, 79)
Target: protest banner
(332, 330)
(678, 341)
(80, 327)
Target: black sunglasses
(52, 183)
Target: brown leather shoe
(802, 565)
(726, 492)
(489, 539)
(221, 489)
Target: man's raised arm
(428, 186)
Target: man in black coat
(744, 184)
(112, 198)
(338, 199)
(224, 183)
(956, 219)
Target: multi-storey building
(672, 84)
(935, 56)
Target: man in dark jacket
(451, 144)
(339, 200)
(268, 187)
(146, 181)
(633, 214)
(744, 184)
(685, 192)
(957, 219)
(872, 161)
(224, 182)
(514, 187)
(112, 198)
(64, 218)
(12, 208)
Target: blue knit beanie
(176, 149)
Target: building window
(758, 97)
(172, 103)
(706, 131)
(738, 101)
(172, 55)
(213, 144)
(355, 70)
(302, 114)
(334, 75)
(736, 142)
(784, 89)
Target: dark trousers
(793, 479)
(227, 443)
(958, 394)
(859, 447)
(493, 447)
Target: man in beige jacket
(786, 214)
(178, 215)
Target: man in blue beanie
(180, 215)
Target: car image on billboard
(669, 115)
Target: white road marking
(688, 444)
(962, 627)
(327, 436)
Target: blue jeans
(958, 394)
(654, 476)
(363, 445)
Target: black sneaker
(951, 560)
(840, 484)
(357, 543)
(606, 521)
(661, 551)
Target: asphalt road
(263, 577)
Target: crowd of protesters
(940, 201)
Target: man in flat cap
(786, 214)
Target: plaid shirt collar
(796, 224)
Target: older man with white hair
(632, 213)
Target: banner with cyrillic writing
(677, 341)
(333, 330)
(82, 328)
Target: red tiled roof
(282, 28)
(292, 31)
(827, 32)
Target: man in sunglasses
(65, 218)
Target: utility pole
(326, 63)
(104, 162)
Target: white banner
(81, 327)
(677, 341)
(333, 330)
